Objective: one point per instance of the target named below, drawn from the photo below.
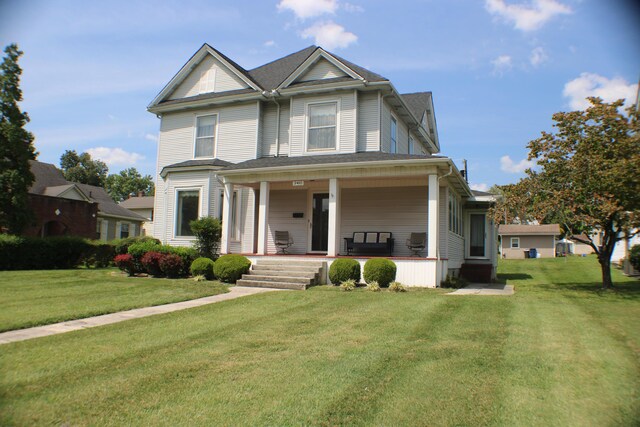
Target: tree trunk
(605, 265)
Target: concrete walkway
(136, 313)
(485, 289)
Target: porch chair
(283, 241)
(416, 243)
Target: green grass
(558, 352)
(32, 298)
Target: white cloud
(151, 137)
(538, 56)
(589, 84)
(269, 43)
(508, 165)
(304, 9)
(480, 186)
(352, 8)
(502, 64)
(330, 35)
(114, 156)
(527, 17)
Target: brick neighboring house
(517, 240)
(62, 207)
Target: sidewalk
(485, 289)
(136, 313)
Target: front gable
(321, 65)
(321, 70)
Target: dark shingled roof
(368, 75)
(371, 156)
(417, 102)
(47, 175)
(521, 229)
(270, 75)
(201, 162)
(481, 193)
(144, 202)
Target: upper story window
(205, 135)
(323, 120)
(411, 148)
(394, 135)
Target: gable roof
(529, 230)
(46, 175)
(106, 205)
(272, 74)
(138, 202)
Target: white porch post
(334, 218)
(226, 217)
(263, 217)
(433, 222)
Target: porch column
(263, 218)
(226, 217)
(333, 247)
(433, 223)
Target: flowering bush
(125, 263)
(171, 265)
(151, 263)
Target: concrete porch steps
(282, 274)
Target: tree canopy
(586, 177)
(16, 147)
(128, 181)
(83, 169)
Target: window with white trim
(322, 126)
(394, 136)
(187, 210)
(124, 230)
(205, 135)
(455, 215)
(515, 243)
(411, 148)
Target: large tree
(83, 169)
(16, 147)
(587, 178)
(128, 181)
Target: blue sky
(498, 69)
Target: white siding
(225, 79)
(385, 128)
(321, 70)
(400, 210)
(346, 139)
(282, 205)
(237, 133)
(285, 120)
(368, 116)
(402, 137)
(269, 118)
(444, 222)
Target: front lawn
(32, 298)
(558, 352)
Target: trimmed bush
(380, 270)
(122, 245)
(344, 269)
(171, 265)
(208, 232)
(151, 263)
(634, 256)
(125, 263)
(187, 255)
(229, 268)
(35, 253)
(348, 285)
(397, 287)
(99, 254)
(202, 267)
(373, 286)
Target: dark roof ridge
(286, 56)
(235, 64)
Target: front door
(320, 222)
(477, 231)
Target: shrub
(380, 270)
(151, 263)
(397, 287)
(35, 253)
(208, 232)
(125, 263)
(202, 267)
(98, 254)
(344, 269)
(634, 256)
(348, 285)
(453, 282)
(373, 286)
(200, 278)
(229, 268)
(187, 255)
(122, 245)
(171, 265)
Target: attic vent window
(207, 81)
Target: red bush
(151, 263)
(125, 263)
(171, 265)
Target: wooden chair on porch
(283, 241)
(416, 243)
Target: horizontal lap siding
(225, 80)
(282, 205)
(443, 213)
(368, 117)
(456, 250)
(285, 120)
(321, 70)
(544, 245)
(400, 211)
(269, 121)
(237, 133)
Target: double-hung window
(188, 209)
(515, 243)
(205, 135)
(394, 136)
(323, 124)
(124, 231)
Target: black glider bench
(369, 242)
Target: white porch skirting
(421, 272)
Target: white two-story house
(321, 148)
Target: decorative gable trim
(191, 64)
(313, 58)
